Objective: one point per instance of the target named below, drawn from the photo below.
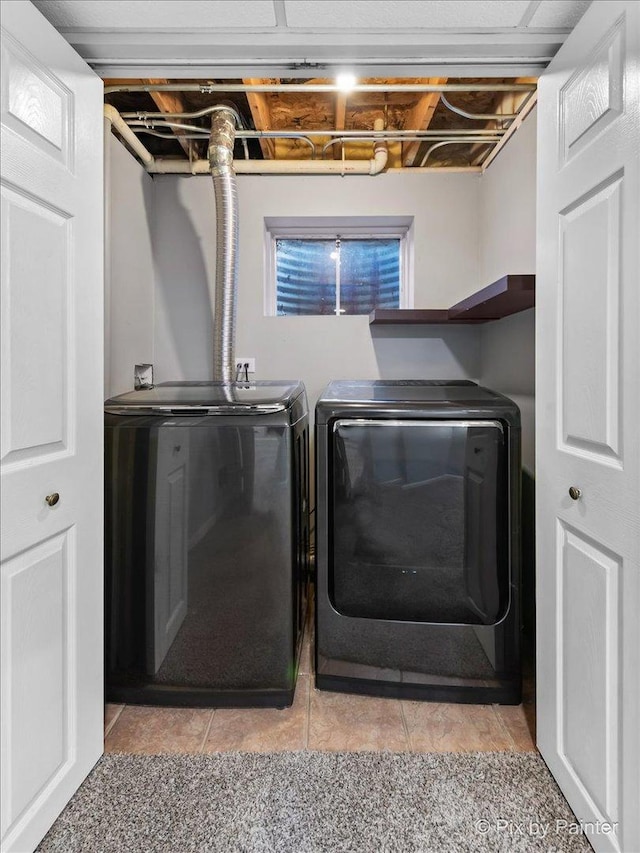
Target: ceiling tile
(404, 14)
(150, 14)
(564, 14)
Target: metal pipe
(167, 166)
(150, 124)
(284, 167)
(372, 134)
(443, 135)
(206, 111)
(204, 134)
(476, 116)
(229, 88)
(161, 165)
(456, 142)
(220, 154)
(147, 123)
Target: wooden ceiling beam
(341, 111)
(261, 114)
(420, 118)
(171, 102)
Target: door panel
(36, 104)
(51, 655)
(588, 375)
(34, 319)
(588, 677)
(593, 96)
(38, 584)
(589, 320)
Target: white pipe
(167, 166)
(112, 114)
(374, 166)
(380, 151)
(430, 170)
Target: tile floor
(324, 721)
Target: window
(336, 269)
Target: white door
(588, 422)
(51, 384)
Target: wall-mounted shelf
(508, 295)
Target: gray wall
(129, 275)
(185, 257)
(316, 349)
(508, 360)
(507, 224)
(508, 245)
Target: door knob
(575, 493)
(52, 499)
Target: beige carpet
(303, 802)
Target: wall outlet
(240, 359)
(142, 376)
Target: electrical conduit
(162, 166)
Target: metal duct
(221, 141)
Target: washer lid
(192, 398)
(413, 398)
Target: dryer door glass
(420, 520)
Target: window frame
(333, 228)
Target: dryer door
(420, 520)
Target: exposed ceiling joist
(420, 118)
(170, 102)
(317, 121)
(261, 114)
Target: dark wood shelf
(508, 295)
(408, 316)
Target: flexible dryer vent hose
(221, 141)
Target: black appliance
(418, 541)
(207, 541)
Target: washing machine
(207, 542)
(418, 541)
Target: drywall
(130, 277)
(508, 245)
(316, 349)
(507, 237)
(508, 365)
(185, 255)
